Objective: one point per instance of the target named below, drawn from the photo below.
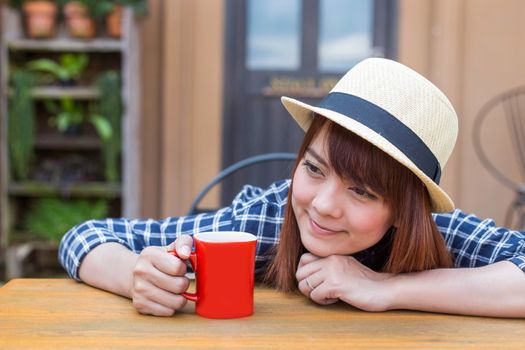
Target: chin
(317, 249)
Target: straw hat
(397, 110)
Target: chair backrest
(507, 108)
(258, 159)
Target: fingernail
(185, 250)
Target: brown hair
(415, 244)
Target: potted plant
(69, 116)
(39, 16)
(114, 17)
(67, 71)
(111, 11)
(79, 21)
(21, 123)
(114, 22)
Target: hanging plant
(21, 124)
(110, 106)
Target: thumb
(182, 246)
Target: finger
(183, 246)
(322, 293)
(147, 298)
(304, 288)
(176, 285)
(169, 264)
(321, 296)
(307, 258)
(147, 307)
(309, 283)
(308, 268)
(166, 299)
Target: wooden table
(61, 313)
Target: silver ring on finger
(308, 284)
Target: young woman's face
(334, 215)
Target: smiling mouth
(320, 230)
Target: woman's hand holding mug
(159, 278)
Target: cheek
(371, 223)
(375, 223)
(303, 192)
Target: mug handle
(193, 262)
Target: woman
(355, 223)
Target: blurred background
(129, 107)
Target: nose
(327, 201)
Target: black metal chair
(509, 108)
(262, 158)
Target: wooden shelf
(84, 189)
(57, 92)
(70, 143)
(65, 44)
(25, 238)
(105, 53)
(75, 92)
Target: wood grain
(61, 313)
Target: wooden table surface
(61, 313)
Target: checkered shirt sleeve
(253, 210)
(474, 242)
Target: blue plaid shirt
(472, 242)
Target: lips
(321, 230)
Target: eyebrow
(317, 157)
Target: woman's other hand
(337, 277)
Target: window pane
(345, 33)
(273, 35)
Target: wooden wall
(471, 49)
(182, 74)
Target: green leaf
(102, 126)
(21, 123)
(63, 121)
(48, 66)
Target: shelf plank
(76, 92)
(84, 189)
(69, 143)
(56, 92)
(65, 44)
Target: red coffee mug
(224, 265)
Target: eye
(362, 193)
(311, 168)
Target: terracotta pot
(114, 22)
(79, 23)
(40, 18)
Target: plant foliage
(110, 106)
(69, 68)
(21, 123)
(50, 218)
(100, 8)
(69, 113)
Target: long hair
(415, 242)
